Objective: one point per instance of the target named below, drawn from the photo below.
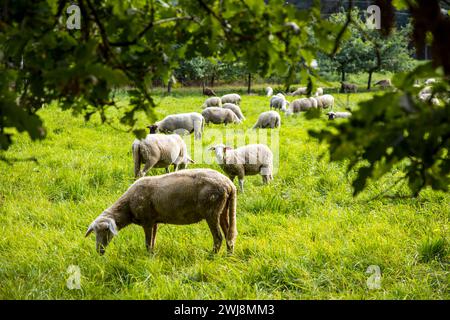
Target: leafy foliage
(130, 43)
(368, 50)
(394, 127)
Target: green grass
(302, 237)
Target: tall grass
(301, 237)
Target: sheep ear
(112, 227)
(89, 230)
(211, 148)
(190, 160)
(228, 148)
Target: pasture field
(302, 237)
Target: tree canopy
(131, 43)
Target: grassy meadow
(302, 237)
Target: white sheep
(159, 151)
(319, 92)
(183, 197)
(231, 98)
(244, 161)
(325, 101)
(269, 91)
(212, 102)
(334, 115)
(219, 115)
(302, 104)
(430, 81)
(268, 119)
(191, 122)
(426, 90)
(300, 91)
(236, 109)
(428, 97)
(279, 102)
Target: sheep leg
(154, 231)
(241, 184)
(224, 221)
(149, 243)
(215, 231)
(198, 129)
(148, 166)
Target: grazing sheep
(269, 91)
(183, 197)
(334, 115)
(325, 101)
(428, 97)
(319, 92)
(268, 119)
(300, 91)
(430, 81)
(302, 104)
(191, 122)
(212, 102)
(209, 92)
(231, 98)
(219, 115)
(385, 83)
(159, 151)
(236, 109)
(279, 102)
(244, 161)
(426, 90)
(348, 87)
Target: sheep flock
(191, 195)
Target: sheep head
(220, 151)
(153, 128)
(105, 229)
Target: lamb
(236, 109)
(183, 197)
(268, 119)
(348, 87)
(212, 102)
(300, 91)
(219, 115)
(244, 161)
(385, 83)
(208, 92)
(231, 98)
(302, 104)
(269, 91)
(191, 122)
(279, 102)
(159, 151)
(334, 115)
(325, 101)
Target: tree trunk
(369, 81)
(341, 90)
(342, 75)
(169, 86)
(212, 80)
(249, 83)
